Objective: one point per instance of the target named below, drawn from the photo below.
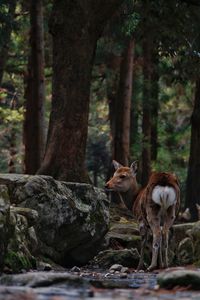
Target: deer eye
(122, 176)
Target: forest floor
(91, 284)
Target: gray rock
(30, 214)
(181, 277)
(185, 251)
(124, 257)
(70, 221)
(40, 279)
(116, 267)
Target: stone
(124, 257)
(30, 214)
(66, 222)
(41, 279)
(181, 277)
(185, 251)
(116, 267)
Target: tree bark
(34, 124)
(121, 142)
(6, 34)
(154, 106)
(75, 27)
(146, 120)
(193, 176)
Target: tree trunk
(75, 27)
(146, 120)
(34, 124)
(12, 151)
(154, 106)
(193, 177)
(6, 34)
(123, 107)
(134, 131)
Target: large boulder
(72, 218)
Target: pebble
(75, 269)
(116, 267)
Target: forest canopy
(82, 83)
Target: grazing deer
(155, 207)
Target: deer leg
(161, 265)
(169, 220)
(143, 234)
(156, 230)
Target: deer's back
(159, 182)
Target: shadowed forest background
(82, 83)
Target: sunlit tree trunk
(34, 124)
(6, 30)
(75, 27)
(121, 140)
(193, 176)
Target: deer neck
(130, 196)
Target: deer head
(123, 179)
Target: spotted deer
(155, 206)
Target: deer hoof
(151, 268)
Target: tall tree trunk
(34, 124)
(6, 30)
(193, 177)
(154, 106)
(146, 120)
(134, 133)
(75, 27)
(121, 142)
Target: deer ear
(134, 167)
(116, 165)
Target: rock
(40, 279)
(125, 270)
(30, 214)
(185, 251)
(124, 257)
(23, 241)
(5, 228)
(116, 267)
(179, 232)
(75, 269)
(182, 277)
(125, 234)
(70, 221)
(43, 266)
(194, 234)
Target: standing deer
(155, 207)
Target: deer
(155, 207)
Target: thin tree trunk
(34, 125)
(154, 106)
(75, 27)
(123, 107)
(6, 34)
(146, 120)
(193, 177)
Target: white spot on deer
(165, 196)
